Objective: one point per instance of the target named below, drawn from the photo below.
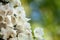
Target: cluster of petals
(13, 22)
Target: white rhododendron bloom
(13, 22)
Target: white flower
(13, 20)
(2, 12)
(15, 2)
(27, 25)
(22, 36)
(38, 32)
(20, 11)
(4, 31)
(13, 38)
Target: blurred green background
(46, 14)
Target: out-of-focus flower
(22, 36)
(39, 33)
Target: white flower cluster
(13, 22)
